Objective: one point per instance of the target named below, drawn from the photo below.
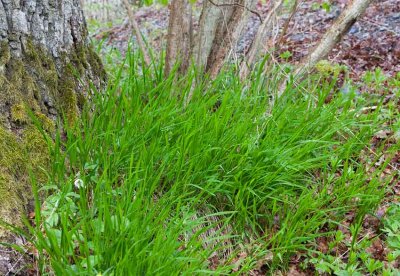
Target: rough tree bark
(211, 17)
(46, 66)
(220, 26)
(228, 34)
(179, 38)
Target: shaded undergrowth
(144, 185)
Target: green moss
(31, 52)
(95, 63)
(23, 83)
(12, 170)
(78, 58)
(14, 86)
(67, 99)
(37, 152)
(4, 53)
(16, 70)
(32, 94)
(45, 70)
(81, 100)
(11, 205)
(3, 81)
(12, 159)
(46, 123)
(51, 80)
(19, 158)
(3, 120)
(18, 114)
(21, 86)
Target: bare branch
(330, 39)
(333, 35)
(286, 26)
(138, 35)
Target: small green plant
(392, 230)
(286, 55)
(359, 262)
(375, 79)
(325, 5)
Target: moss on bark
(19, 156)
(43, 86)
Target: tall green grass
(144, 185)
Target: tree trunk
(44, 51)
(228, 35)
(179, 38)
(259, 44)
(221, 24)
(211, 17)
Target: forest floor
(370, 51)
(373, 41)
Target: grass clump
(145, 185)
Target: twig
(237, 5)
(138, 35)
(334, 34)
(286, 26)
(377, 24)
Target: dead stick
(286, 26)
(138, 35)
(335, 33)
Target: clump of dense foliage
(144, 184)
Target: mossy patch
(18, 87)
(46, 123)
(11, 155)
(28, 81)
(20, 158)
(11, 204)
(36, 85)
(67, 96)
(18, 114)
(5, 54)
(95, 63)
(37, 152)
(327, 68)
(12, 170)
